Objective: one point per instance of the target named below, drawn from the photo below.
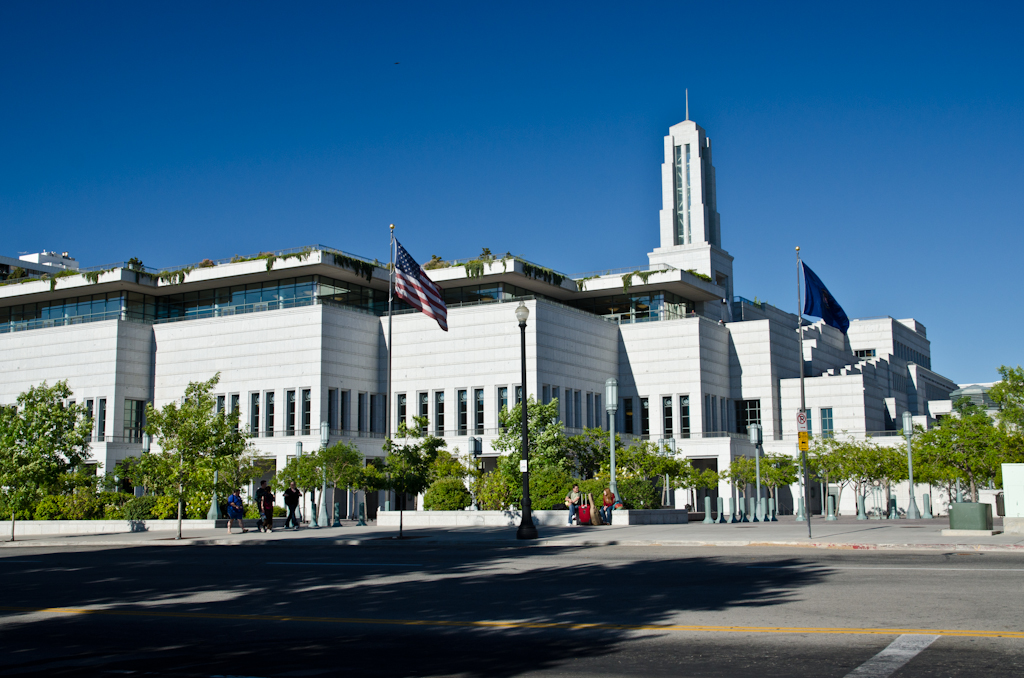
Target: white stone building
(299, 338)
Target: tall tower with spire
(691, 233)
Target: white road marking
(892, 658)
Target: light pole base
(927, 502)
(912, 513)
(801, 515)
(525, 531)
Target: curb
(837, 546)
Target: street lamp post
(527, 530)
(298, 455)
(325, 438)
(908, 431)
(611, 398)
(754, 430)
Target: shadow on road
(400, 581)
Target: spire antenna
(687, 104)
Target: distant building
(299, 338)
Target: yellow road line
(965, 633)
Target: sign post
(802, 439)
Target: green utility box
(970, 516)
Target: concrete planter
(48, 527)
(514, 517)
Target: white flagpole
(391, 296)
(803, 401)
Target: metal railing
(623, 271)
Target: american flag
(414, 287)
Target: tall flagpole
(803, 401)
(391, 297)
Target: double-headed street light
(611, 399)
(908, 431)
(527, 530)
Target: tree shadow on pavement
(199, 602)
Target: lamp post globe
(611, 398)
(526, 530)
(908, 431)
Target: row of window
(132, 422)
(910, 355)
(469, 409)
(267, 420)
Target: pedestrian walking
(292, 496)
(608, 501)
(265, 503)
(236, 510)
(572, 501)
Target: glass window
(546, 394)
(439, 413)
(747, 412)
(401, 408)
(424, 411)
(268, 416)
(307, 404)
(555, 397)
(463, 397)
(254, 414)
(220, 404)
(502, 398)
(826, 422)
(578, 397)
(361, 413)
(289, 413)
(666, 416)
(478, 397)
(590, 410)
(101, 419)
(598, 416)
(684, 416)
(645, 418)
(332, 409)
(810, 426)
(519, 394)
(627, 415)
(234, 406)
(133, 413)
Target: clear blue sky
(884, 139)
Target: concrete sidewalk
(846, 533)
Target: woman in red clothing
(608, 499)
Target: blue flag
(820, 303)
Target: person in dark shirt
(265, 502)
(292, 496)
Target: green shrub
(165, 508)
(280, 512)
(548, 488)
(640, 493)
(252, 511)
(447, 494)
(140, 508)
(51, 507)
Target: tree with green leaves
(406, 467)
(778, 470)
(42, 441)
(1008, 393)
(192, 439)
(965, 445)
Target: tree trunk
(13, 514)
(179, 518)
(974, 490)
(400, 516)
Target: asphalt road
(402, 609)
